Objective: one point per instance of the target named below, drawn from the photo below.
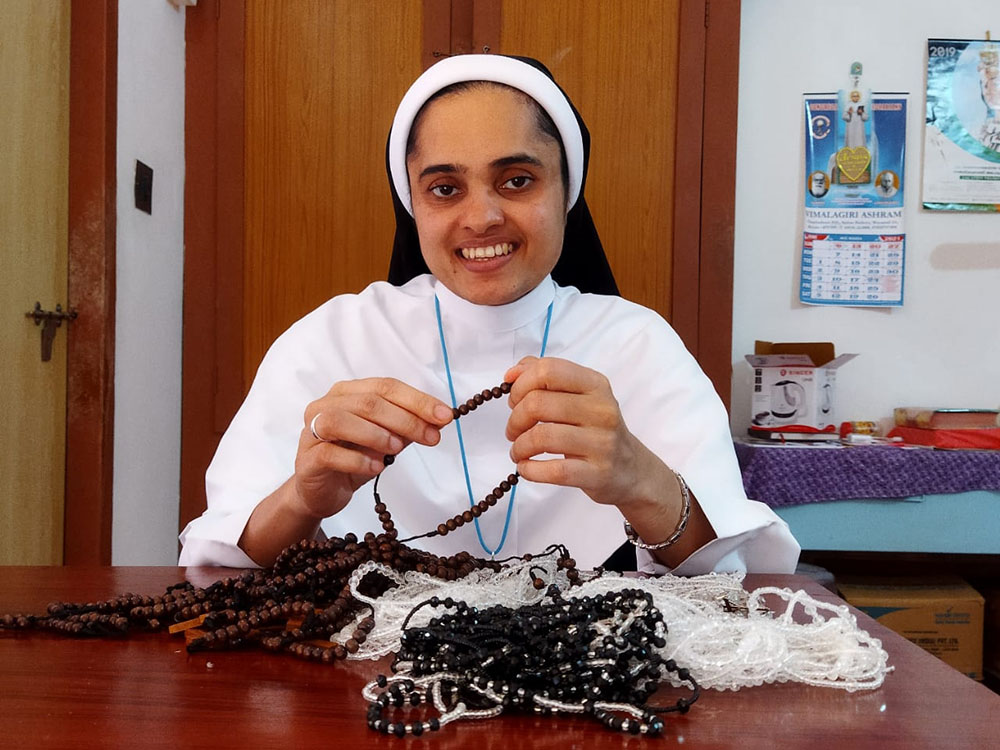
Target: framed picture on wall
(962, 130)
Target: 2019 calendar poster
(962, 128)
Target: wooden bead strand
(297, 606)
(467, 516)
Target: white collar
(499, 318)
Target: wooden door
(617, 61)
(286, 199)
(306, 91)
(34, 128)
(322, 80)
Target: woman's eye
(519, 182)
(443, 191)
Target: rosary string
(470, 405)
(492, 498)
(306, 589)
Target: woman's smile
(498, 250)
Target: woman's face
(487, 194)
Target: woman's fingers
(562, 392)
(419, 404)
(561, 440)
(327, 474)
(566, 472)
(345, 427)
(544, 406)
(552, 374)
(569, 412)
(348, 432)
(381, 414)
(515, 372)
(340, 458)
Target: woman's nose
(483, 211)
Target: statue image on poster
(962, 129)
(853, 162)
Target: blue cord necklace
(461, 444)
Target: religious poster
(853, 242)
(962, 131)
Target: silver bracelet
(685, 514)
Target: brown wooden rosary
(297, 604)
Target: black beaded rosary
(584, 655)
(469, 663)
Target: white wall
(942, 347)
(150, 253)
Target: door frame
(702, 276)
(93, 109)
(212, 340)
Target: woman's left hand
(567, 410)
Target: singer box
(794, 387)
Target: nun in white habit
(620, 441)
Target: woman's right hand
(359, 422)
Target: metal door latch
(49, 321)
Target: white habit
(666, 400)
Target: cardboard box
(943, 615)
(794, 386)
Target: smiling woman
(497, 272)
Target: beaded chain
(589, 655)
(475, 510)
(729, 638)
(301, 605)
(470, 405)
(592, 655)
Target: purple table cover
(782, 476)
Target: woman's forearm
(278, 521)
(656, 510)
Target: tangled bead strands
(313, 603)
(510, 586)
(300, 602)
(348, 597)
(727, 637)
(590, 655)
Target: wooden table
(147, 691)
